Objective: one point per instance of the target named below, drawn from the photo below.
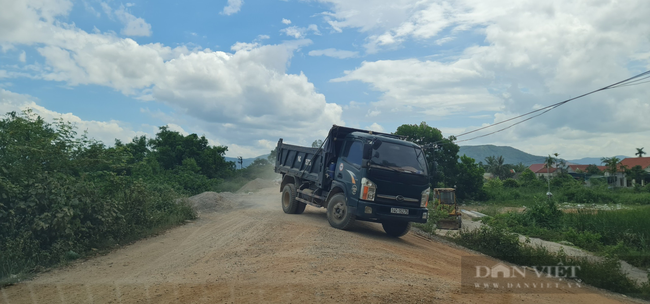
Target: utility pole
(241, 162)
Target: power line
(625, 82)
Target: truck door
(348, 170)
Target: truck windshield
(400, 158)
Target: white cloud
(533, 53)
(300, 32)
(238, 46)
(373, 113)
(286, 21)
(331, 52)
(133, 26)
(106, 131)
(236, 98)
(442, 41)
(22, 57)
(233, 7)
(434, 88)
(375, 127)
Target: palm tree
(611, 163)
(495, 166)
(548, 163)
(639, 152)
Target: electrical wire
(630, 80)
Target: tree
(317, 143)
(636, 173)
(639, 152)
(593, 170)
(496, 166)
(170, 149)
(528, 178)
(612, 165)
(520, 167)
(548, 163)
(442, 160)
(470, 179)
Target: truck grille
(396, 200)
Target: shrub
(543, 214)
(510, 183)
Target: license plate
(399, 211)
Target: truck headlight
(368, 190)
(425, 198)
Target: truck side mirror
(376, 144)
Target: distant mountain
(246, 161)
(515, 156)
(592, 160)
(510, 154)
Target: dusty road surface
(253, 252)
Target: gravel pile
(256, 184)
(212, 202)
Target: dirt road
(256, 253)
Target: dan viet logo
(481, 274)
(512, 272)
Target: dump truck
(357, 175)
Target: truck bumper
(369, 211)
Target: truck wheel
(289, 202)
(395, 228)
(338, 212)
(300, 208)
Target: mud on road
(253, 252)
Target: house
(628, 163)
(536, 167)
(620, 179)
(546, 172)
(582, 168)
(540, 170)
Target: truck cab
(357, 175)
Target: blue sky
(245, 73)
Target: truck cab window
(353, 152)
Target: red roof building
(632, 162)
(536, 167)
(544, 170)
(583, 168)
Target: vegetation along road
(243, 248)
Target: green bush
(588, 195)
(511, 183)
(493, 241)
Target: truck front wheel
(338, 212)
(395, 228)
(289, 202)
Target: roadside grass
(623, 233)
(519, 194)
(504, 245)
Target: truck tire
(300, 208)
(289, 202)
(396, 228)
(338, 212)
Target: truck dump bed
(306, 163)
